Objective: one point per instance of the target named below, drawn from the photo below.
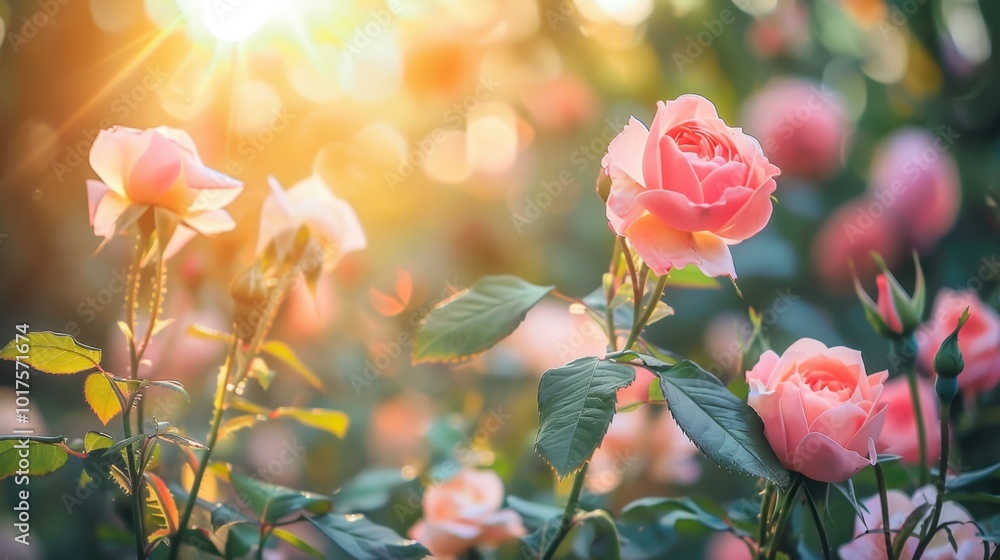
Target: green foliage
(355, 536)
(575, 405)
(475, 319)
(723, 426)
(271, 502)
(650, 527)
(51, 352)
(43, 458)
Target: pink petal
(684, 108)
(753, 216)
(155, 171)
(659, 246)
(112, 156)
(820, 458)
(181, 138)
(767, 405)
(211, 222)
(765, 366)
(680, 213)
(714, 256)
(664, 166)
(177, 242)
(622, 208)
(625, 151)
(95, 192)
(840, 422)
(106, 212)
(275, 216)
(793, 417)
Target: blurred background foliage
(468, 136)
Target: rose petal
(820, 458)
(211, 222)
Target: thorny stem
(784, 514)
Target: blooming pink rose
(979, 339)
(801, 124)
(869, 542)
(822, 412)
(310, 203)
(463, 512)
(916, 180)
(851, 234)
(157, 167)
(688, 187)
(899, 433)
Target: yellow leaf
(101, 397)
(333, 421)
(284, 353)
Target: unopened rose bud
(948, 362)
(249, 292)
(895, 314)
(603, 185)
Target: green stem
(133, 472)
(820, 528)
(784, 514)
(264, 532)
(654, 299)
(884, 500)
(905, 350)
(260, 331)
(932, 529)
(636, 288)
(154, 312)
(766, 504)
(567, 518)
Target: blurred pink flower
(851, 234)
(916, 180)
(979, 339)
(309, 203)
(727, 546)
(157, 167)
(561, 102)
(801, 124)
(396, 432)
(822, 412)
(784, 30)
(688, 187)
(869, 542)
(899, 433)
(463, 512)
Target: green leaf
(600, 534)
(207, 333)
(575, 405)
(534, 544)
(272, 502)
(283, 352)
(261, 372)
(908, 527)
(239, 540)
(369, 490)
(473, 320)
(691, 277)
(201, 540)
(51, 352)
(160, 505)
(43, 458)
(333, 421)
(298, 543)
(355, 536)
(101, 396)
(723, 426)
(650, 527)
(966, 480)
(532, 513)
(237, 423)
(96, 440)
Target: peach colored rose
(801, 124)
(157, 167)
(915, 180)
(869, 543)
(397, 429)
(899, 433)
(463, 512)
(979, 339)
(688, 187)
(310, 203)
(822, 412)
(851, 234)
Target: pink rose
(869, 543)
(916, 181)
(309, 203)
(801, 124)
(979, 339)
(464, 512)
(899, 433)
(851, 234)
(727, 546)
(157, 167)
(887, 306)
(822, 412)
(688, 187)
